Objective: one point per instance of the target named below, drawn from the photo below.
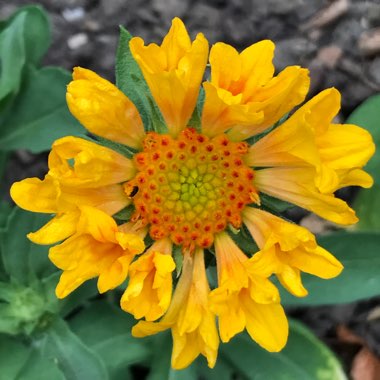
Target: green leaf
(130, 80)
(360, 279)
(304, 358)
(12, 56)
(223, 370)
(38, 367)
(367, 115)
(160, 367)
(39, 114)
(274, 204)
(367, 202)
(24, 261)
(24, 38)
(78, 298)
(73, 357)
(13, 355)
(106, 330)
(21, 362)
(367, 206)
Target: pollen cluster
(191, 187)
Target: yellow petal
(243, 95)
(103, 109)
(82, 257)
(93, 165)
(261, 290)
(195, 331)
(268, 230)
(230, 262)
(290, 279)
(109, 199)
(222, 110)
(285, 250)
(97, 223)
(59, 228)
(318, 262)
(232, 319)
(296, 186)
(113, 274)
(24, 194)
(173, 72)
(145, 328)
(355, 177)
(187, 347)
(275, 100)
(149, 289)
(290, 144)
(267, 325)
(345, 146)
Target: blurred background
(339, 41)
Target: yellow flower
(181, 191)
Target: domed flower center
(190, 188)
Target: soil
(338, 40)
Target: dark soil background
(339, 41)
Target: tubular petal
(296, 186)
(149, 289)
(305, 139)
(245, 96)
(103, 109)
(82, 258)
(173, 72)
(192, 323)
(93, 165)
(285, 249)
(233, 301)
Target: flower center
(190, 188)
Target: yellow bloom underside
(188, 187)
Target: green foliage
(21, 45)
(33, 111)
(109, 336)
(39, 113)
(21, 362)
(367, 203)
(367, 115)
(359, 253)
(73, 357)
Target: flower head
(185, 191)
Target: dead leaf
(366, 366)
